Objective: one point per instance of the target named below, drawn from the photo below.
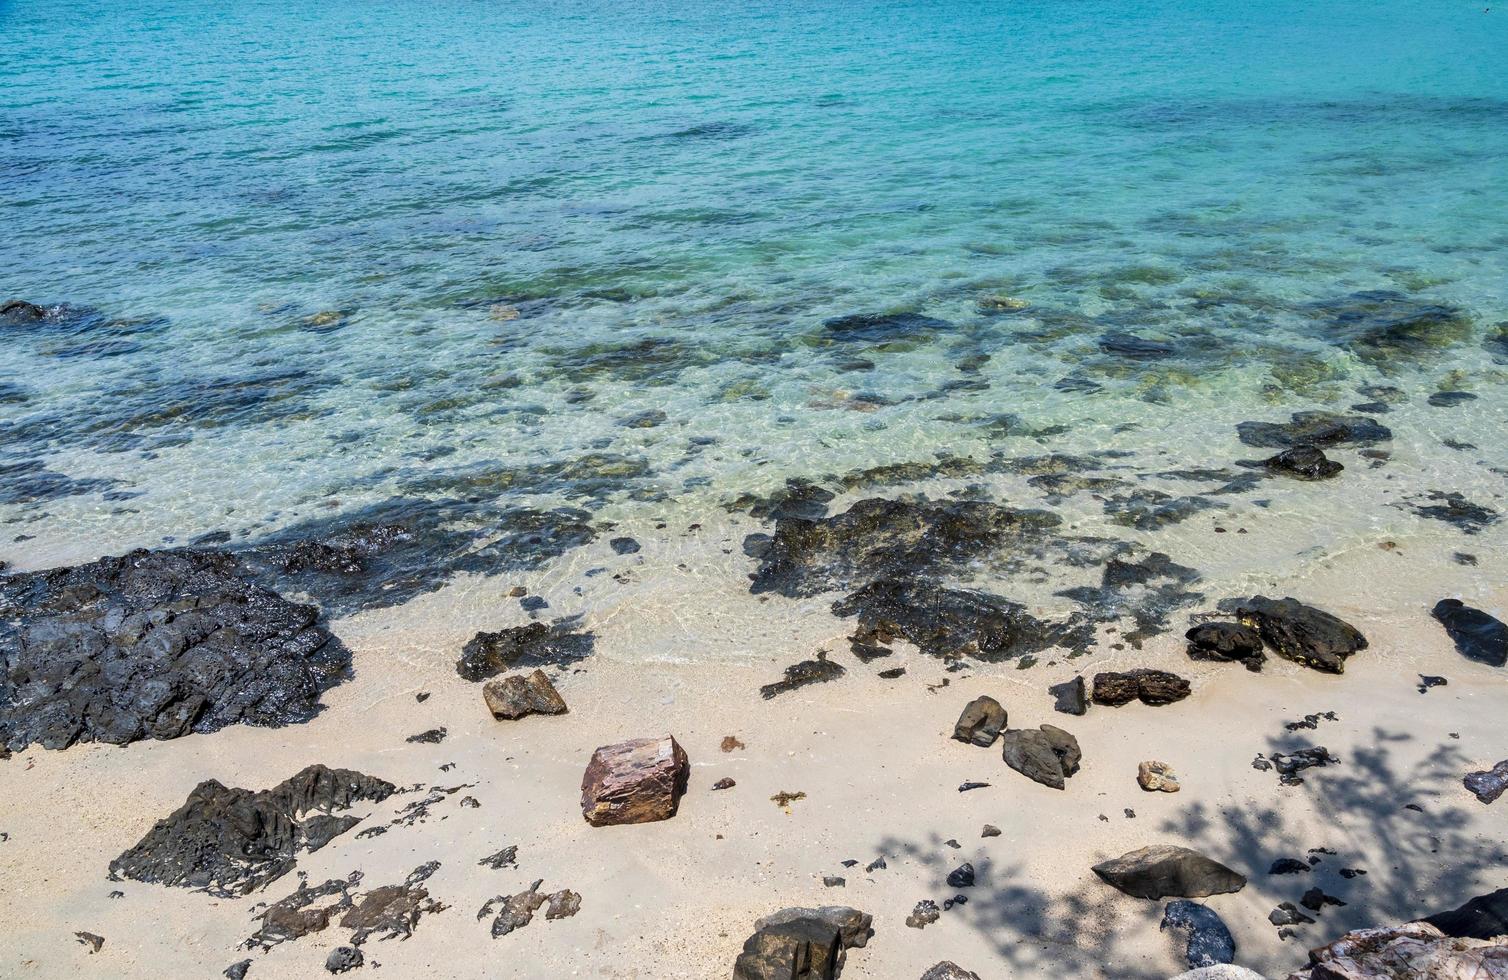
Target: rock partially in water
(1151, 510)
(802, 944)
(1488, 784)
(1226, 642)
(1166, 870)
(1047, 755)
(1301, 633)
(802, 674)
(1317, 429)
(950, 623)
(14, 312)
(799, 498)
(388, 553)
(883, 328)
(518, 695)
(1151, 687)
(637, 781)
(878, 538)
(1449, 399)
(1305, 463)
(1478, 635)
(155, 644)
(1414, 950)
(531, 645)
(233, 841)
(980, 722)
(1209, 941)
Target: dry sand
(683, 651)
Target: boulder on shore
(1226, 642)
(1168, 871)
(1415, 949)
(1484, 917)
(1070, 697)
(981, 721)
(947, 970)
(1152, 687)
(1302, 633)
(1477, 635)
(1209, 942)
(638, 781)
(1047, 754)
(518, 695)
(802, 944)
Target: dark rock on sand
(505, 858)
(155, 644)
(981, 721)
(1427, 681)
(1304, 462)
(1152, 687)
(1488, 784)
(1228, 642)
(1070, 697)
(799, 675)
(1302, 633)
(1208, 939)
(990, 830)
(532, 645)
(802, 944)
(624, 546)
(233, 841)
(947, 970)
(1477, 635)
(343, 958)
(1047, 755)
(1290, 764)
(1168, 871)
(1288, 866)
(637, 781)
(961, 876)
(1287, 914)
(948, 623)
(94, 942)
(1317, 429)
(432, 736)
(925, 913)
(878, 538)
(518, 695)
(1484, 917)
(237, 970)
(1315, 899)
(392, 911)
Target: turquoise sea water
(320, 255)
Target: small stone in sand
(432, 737)
(925, 913)
(980, 722)
(784, 799)
(833, 881)
(95, 943)
(518, 695)
(961, 876)
(724, 783)
(965, 787)
(1288, 866)
(506, 858)
(563, 904)
(237, 970)
(1156, 777)
(731, 743)
(1287, 914)
(947, 970)
(990, 830)
(1427, 681)
(878, 864)
(343, 958)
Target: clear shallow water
(340, 252)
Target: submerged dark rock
(1132, 346)
(155, 644)
(531, 645)
(1315, 429)
(1209, 941)
(1385, 327)
(1456, 510)
(947, 623)
(1448, 399)
(1302, 633)
(232, 841)
(882, 328)
(1228, 642)
(1478, 636)
(1166, 870)
(878, 538)
(1150, 510)
(1305, 463)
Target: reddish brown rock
(637, 781)
(518, 695)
